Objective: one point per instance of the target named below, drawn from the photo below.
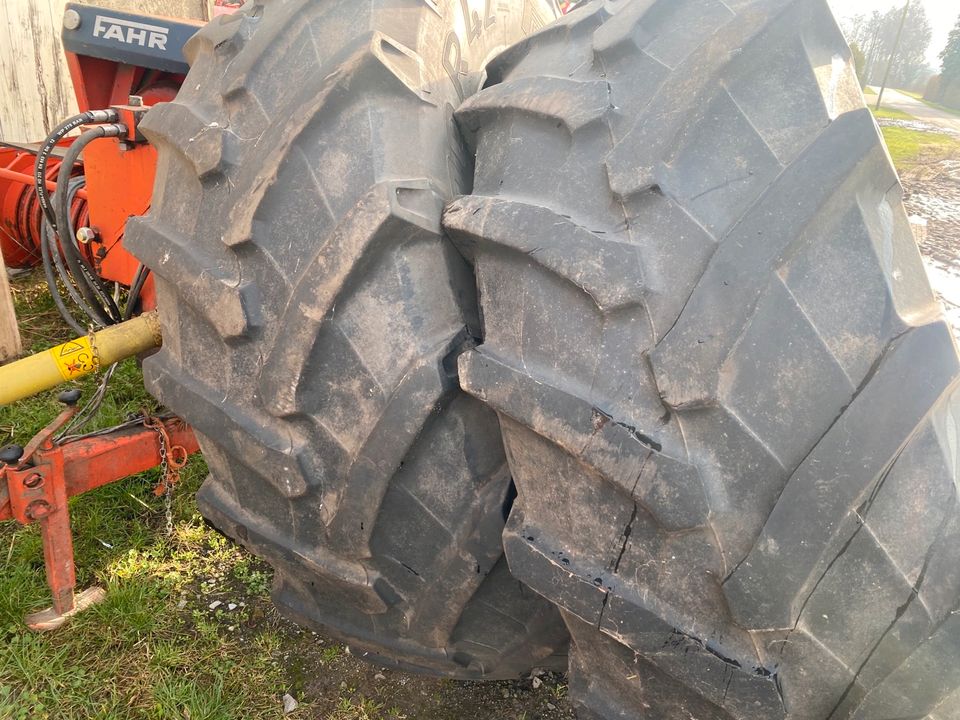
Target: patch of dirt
(932, 199)
(331, 682)
(932, 192)
(345, 683)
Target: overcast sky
(941, 13)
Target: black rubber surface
(313, 315)
(727, 393)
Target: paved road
(920, 110)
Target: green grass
(357, 708)
(909, 147)
(142, 653)
(135, 655)
(885, 113)
(869, 91)
(910, 93)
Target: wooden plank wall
(35, 88)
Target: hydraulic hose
(88, 283)
(136, 287)
(81, 282)
(52, 259)
(43, 155)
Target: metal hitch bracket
(36, 487)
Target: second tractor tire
(728, 395)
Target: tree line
(872, 37)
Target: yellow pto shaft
(79, 357)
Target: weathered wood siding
(35, 87)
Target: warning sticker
(74, 358)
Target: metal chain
(168, 509)
(167, 486)
(172, 459)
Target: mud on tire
(313, 315)
(727, 393)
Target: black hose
(52, 260)
(81, 282)
(136, 287)
(88, 282)
(43, 155)
(46, 252)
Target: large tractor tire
(727, 393)
(313, 315)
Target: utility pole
(893, 51)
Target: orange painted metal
(119, 186)
(119, 175)
(20, 213)
(48, 474)
(25, 179)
